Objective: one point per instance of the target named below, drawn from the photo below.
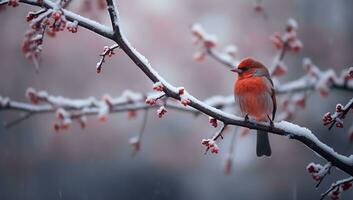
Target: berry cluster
(64, 120)
(36, 97)
(337, 117)
(184, 100)
(13, 3)
(161, 111)
(323, 79)
(210, 145)
(158, 86)
(41, 22)
(289, 40)
(336, 193)
(107, 51)
(318, 171)
(285, 42)
(213, 121)
(208, 42)
(151, 101)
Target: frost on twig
(208, 43)
(211, 144)
(128, 101)
(337, 188)
(319, 172)
(338, 116)
(137, 140)
(73, 109)
(49, 21)
(288, 41)
(107, 51)
(259, 9)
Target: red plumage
(254, 93)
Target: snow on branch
(291, 95)
(287, 42)
(107, 51)
(64, 108)
(337, 188)
(51, 19)
(208, 43)
(40, 102)
(281, 128)
(319, 172)
(337, 117)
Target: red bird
(254, 92)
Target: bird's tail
(263, 147)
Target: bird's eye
(244, 68)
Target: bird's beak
(236, 70)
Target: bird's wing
(273, 96)
(271, 90)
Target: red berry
(185, 102)
(181, 90)
(346, 186)
(311, 169)
(56, 15)
(56, 127)
(131, 114)
(339, 108)
(214, 149)
(151, 101)
(13, 3)
(258, 8)
(339, 124)
(205, 142)
(30, 16)
(213, 122)
(210, 42)
(103, 117)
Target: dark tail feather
(263, 147)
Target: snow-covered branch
(41, 102)
(65, 108)
(283, 128)
(208, 43)
(337, 188)
(82, 21)
(322, 81)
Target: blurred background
(96, 163)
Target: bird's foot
(271, 121)
(246, 118)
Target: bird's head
(249, 67)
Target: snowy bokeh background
(96, 163)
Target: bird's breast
(250, 85)
(254, 97)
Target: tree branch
(302, 84)
(283, 128)
(82, 21)
(336, 186)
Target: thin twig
(335, 186)
(18, 120)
